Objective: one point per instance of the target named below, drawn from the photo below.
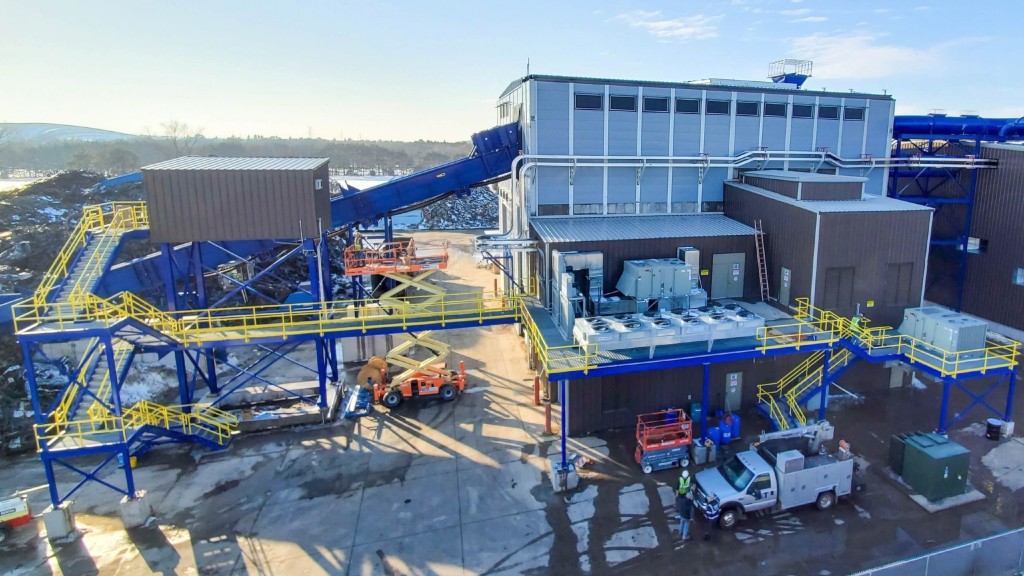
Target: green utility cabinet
(934, 466)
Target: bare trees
(177, 138)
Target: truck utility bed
(801, 478)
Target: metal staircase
(762, 264)
(782, 401)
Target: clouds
(684, 28)
(861, 55)
(810, 19)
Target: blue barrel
(725, 430)
(671, 416)
(735, 426)
(715, 434)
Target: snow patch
(146, 386)
(916, 383)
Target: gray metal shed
(201, 198)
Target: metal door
(727, 275)
(733, 390)
(787, 278)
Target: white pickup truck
(775, 476)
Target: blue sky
(432, 70)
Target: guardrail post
(547, 418)
(536, 390)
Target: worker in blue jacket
(712, 509)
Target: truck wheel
(447, 392)
(826, 500)
(391, 399)
(684, 462)
(4, 532)
(647, 469)
(729, 518)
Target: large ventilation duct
(965, 126)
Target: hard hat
(686, 474)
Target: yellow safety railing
(103, 394)
(60, 413)
(78, 433)
(775, 412)
(557, 359)
(247, 322)
(122, 216)
(215, 424)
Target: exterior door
(727, 275)
(787, 279)
(733, 390)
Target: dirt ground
(462, 488)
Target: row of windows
(627, 208)
(692, 106)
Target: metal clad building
(623, 238)
(199, 198)
(839, 253)
(994, 287)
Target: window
(828, 112)
(777, 110)
(581, 209)
(898, 280)
(853, 113)
(975, 245)
(622, 103)
(717, 107)
(803, 111)
(1018, 276)
(553, 210)
(687, 106)
(761, 483)
(748, 108)
(589, 102)
(655, 104)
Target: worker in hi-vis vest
(684, 483)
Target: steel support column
(945, 405)
(704, 401)
(31, 384)
(197, 267)
(1011, 385)
(826, 379)
(51, 480)
(321, 371)
(564, 401)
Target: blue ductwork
(969, 127)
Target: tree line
(348, 157)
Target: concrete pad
(416, 506)
(59, 521)
(291, 534)
(135, 511)
(439, 552)
(971, 495)
(514, 544)
(488, 492)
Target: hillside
(42, 134)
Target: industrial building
(719, 245)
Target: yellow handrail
(121, 216)
(60, 413)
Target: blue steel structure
(72, 310)
(951, 190)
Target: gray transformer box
(195, 198)
(944, 329)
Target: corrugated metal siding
(998, 214)
(868, 243)
(603, 403)
(784, 187)
(789, 237)
(614, 401)
(618, 251)
(214, 200)
(831, 190)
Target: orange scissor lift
(662, 440)
(410, 270)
